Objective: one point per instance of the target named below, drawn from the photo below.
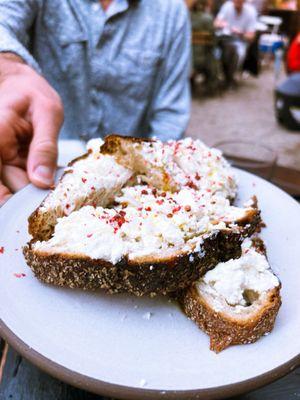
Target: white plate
(132, 347)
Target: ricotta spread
(85, 178)
(190, 163)
(144, 221)
(230, 280)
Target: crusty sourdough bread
(238, 301)
(184, 181)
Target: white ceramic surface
(141, 342)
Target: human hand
(31, 114)
(236, 31)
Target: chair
(204, 44)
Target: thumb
(42, 157)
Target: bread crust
(140, 277)
(224, 330)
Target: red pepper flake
(140, 208)
(191, 185)
(19, 275)
(83, 180)
(187, 208)
(176, 148)
(67, 206)
(122, 213)
(169, 215)
(160, 202)
(118, 219)
(154, 192)
(209, 154)
(208, 190)
(93, 188)
(89, 235)
(1, 250)
(197, 176)
(144, 191)
(148, 208)
(176, 209)
(163, 194)
(94, 204)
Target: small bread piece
(238, 301)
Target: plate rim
(104, 388)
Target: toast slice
(140, 249)
(97, 177)
(140, 216)
(238, 301)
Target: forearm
(16, 20)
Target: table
(20, 380)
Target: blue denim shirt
(123, 71)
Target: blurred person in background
(102, 66)
(204, 44)
(236, 22)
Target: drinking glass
(251, 156)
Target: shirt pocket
(136, 71)
(65, 34)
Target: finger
(42, 158)
(4, 191)
(14, 178)
(15, 134)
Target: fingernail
(44, 174)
